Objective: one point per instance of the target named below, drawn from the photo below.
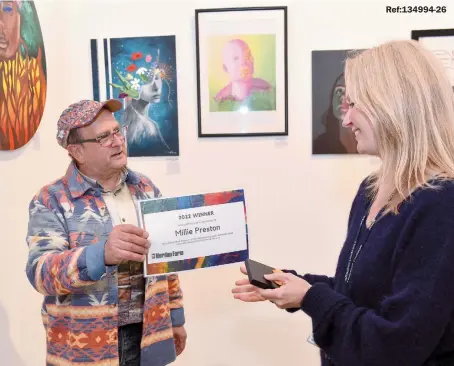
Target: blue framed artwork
(140, 72)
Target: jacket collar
(78, 184)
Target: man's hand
(126, 243)
(179, 335)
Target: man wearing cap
(86, 253)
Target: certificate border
(163, 204)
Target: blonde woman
(391, 301)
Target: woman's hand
(244, 291)
(289, 295)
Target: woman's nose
(346, 120)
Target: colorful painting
(234, 198)
(141, 72)
(242, 72)
(23, 78)
(328, 90)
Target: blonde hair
(405, 92)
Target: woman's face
(362, 128)
(9, 30)
(152, 91)
(338, 98)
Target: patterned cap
(81, 114)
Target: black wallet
(256, 272)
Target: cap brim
(113, 105)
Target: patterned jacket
(68, 227)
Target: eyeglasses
(347, 104)
(106, 139)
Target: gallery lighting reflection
(244, 110)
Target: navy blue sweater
(398, 307)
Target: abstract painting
(328, 90)
(23, 77)
(242, 71)
(141, 72)
(441, 43)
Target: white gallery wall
(297, 204)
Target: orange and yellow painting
(23, 78)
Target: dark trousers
(129, 337)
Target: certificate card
(193, 232)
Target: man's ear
(77, 152)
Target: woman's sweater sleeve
(313, 278)
(409, 323)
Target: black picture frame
(432, 40)
(264, 111)
(423, 33)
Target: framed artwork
(328, 90)
(23, 73)
(140, 72)
(441, 43)
(242, 71)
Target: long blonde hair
(405, 92)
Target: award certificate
(193, 232)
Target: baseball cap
(81, 114)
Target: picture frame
(140, 72)
(441, 43)
(328, 109)
(242, 82)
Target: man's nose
(117, 140)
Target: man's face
(9, 30)
(98, 158)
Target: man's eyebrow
(108, 131)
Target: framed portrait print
(141, 72)
(328, 110)
(242, 71)
(441, 43)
